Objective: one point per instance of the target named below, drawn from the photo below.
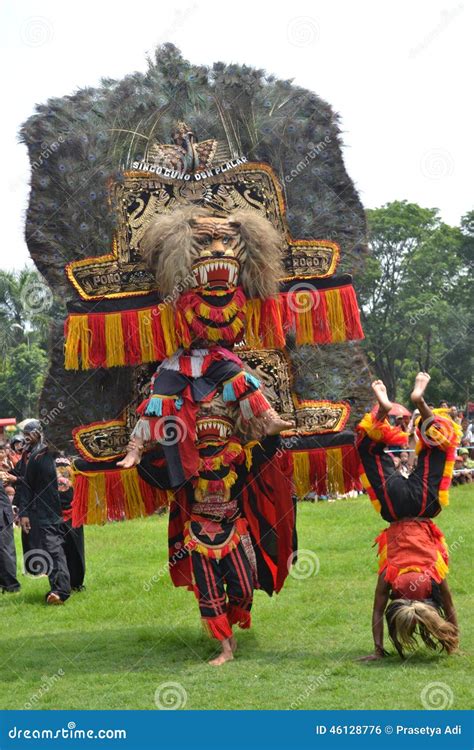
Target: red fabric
(97, 348)
(239, 616)
(67, 514)
(273, 492)
(115, 495)
(217, 627)
(411, 543)
(413, 585)
(149, 496)
(131, 337)
(80, 501)
(350, 465)
(240, 385)
(158, 339)
(318, 470)
(271, 324)
(321, 328)
(179, 564)
(350, 308)
(257, 402)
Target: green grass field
(114, 645)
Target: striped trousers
(224, 590)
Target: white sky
(398, 73)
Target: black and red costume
(224, 549)
(425, 491)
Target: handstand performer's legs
(417, 396)
(385, 405)
(424, 482)
(386, 483)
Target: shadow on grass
(145, 649)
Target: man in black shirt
(40, 492)
(31, 540)
(8, 579)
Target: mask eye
(225, 240)
(205, 240)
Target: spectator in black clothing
(8, 579)
(30, 540)
(40, 491)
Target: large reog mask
(196, 248)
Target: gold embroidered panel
(141, 196)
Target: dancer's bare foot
(380, 392)
(421, 383)
(133, 457)
(227, 654)
(273, 424)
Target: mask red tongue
(217, 273)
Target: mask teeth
(203, 274)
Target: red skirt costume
(412, 554)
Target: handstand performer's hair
(407, 618)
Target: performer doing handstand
(413, 556)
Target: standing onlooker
(8, 579)
(31, 540)
(404, 468)
(16, 449)
(40, 491)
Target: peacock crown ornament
(141, 302)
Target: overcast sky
(398, 73)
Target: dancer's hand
(378, 654)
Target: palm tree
(25, 309)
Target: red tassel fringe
(217, 627)
(239, 616)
